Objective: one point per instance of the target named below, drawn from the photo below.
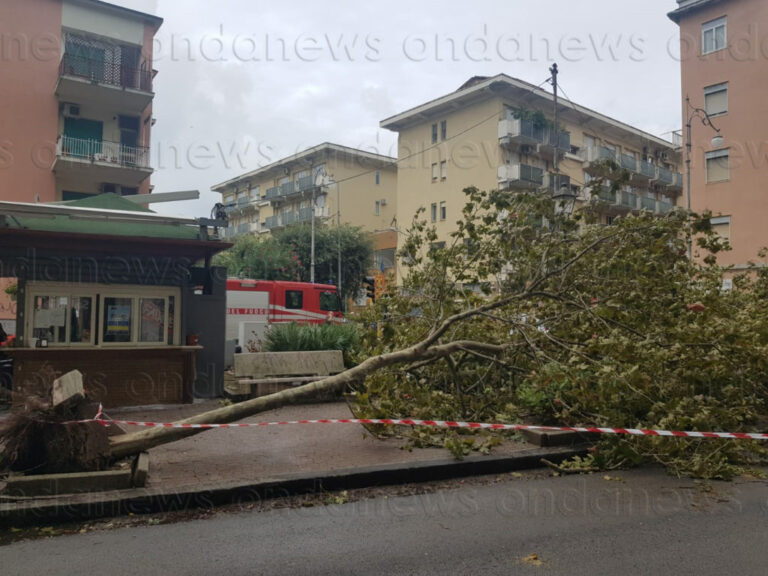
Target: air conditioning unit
(71, 110)
(383, 202)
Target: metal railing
(648, 203)
(103, 151)
(270, 222)
(287, 188)
(628, 199)
(304, 183)
(305, 214)
(647, 169)
(103, 72)
(663, 175)
(271, 193)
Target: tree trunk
(128, 444)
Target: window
(434, 133)
(329, 301)
(713, 35)
(92, 315)
(443, 130)
(443, 169)
(442, 210)
(378, 177)
(435, 246)
(721, 225)
(433, 212)
(716, 99)
(435, 173)
(589, 141)
(294, 299)
(718, 167)
(377, 207)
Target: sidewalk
(225, 465)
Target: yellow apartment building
(348, 186)
(724, 69)
(496, 133)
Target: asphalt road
(634, 523)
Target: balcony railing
(648, 203)
(103, 151)
(103, 72)
(287, 188)
(520, 175)
(304, 183)
(628, 199)
(270, 222)
(663, 175)
(243, 200)
(243, 228)
(272, 193)
(677, 180)
(554, 181)
(647, 169)
(305, 214)
(628, 162)
(664, 207)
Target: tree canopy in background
(286, 255)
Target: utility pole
(553, 71)
(338, 230)
(312, 241)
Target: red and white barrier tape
(449, 424)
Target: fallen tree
(532, 313)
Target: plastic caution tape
(448, 424)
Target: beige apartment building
(348, 185)
(489, 134)
(76, 96)
(724, 69)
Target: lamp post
(692, 112)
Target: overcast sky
(243, 83)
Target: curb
(148, 500)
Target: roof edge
(304, 154)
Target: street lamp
(692, 112)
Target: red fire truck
(252, 305)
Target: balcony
(664, 207)
(593, 155)
(287, 188)
(512, 176)
(628, 199)
(79, 160)
(677, 181)
(272, 193)
(648, 203)
(243, 228)
(124, 88)
(305, 214)
(663, 176)
(518, 131)
(304, 183)
(554, 181)
(271, 222)
(628, 162)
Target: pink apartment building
(724, 67)
(75, 104)
(75, 99)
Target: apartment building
(497, 133)
(75, 99)
(724, 69)
(347, 185)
